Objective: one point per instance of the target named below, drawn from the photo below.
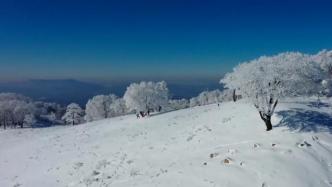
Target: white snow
(181, 148)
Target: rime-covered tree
(146, 96)
(194, 102)
(13, 108)
(266, 79)
(14, 96)
(29, 120)
(118, 107)
(227, 95)
(99, 107)
(21, 110)
(74, 114)
(210, 97)
(177, 104)
(324, 59)
(6, 114)
(49, 112)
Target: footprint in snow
(17, 185)
(232, 151)
(264, 184)
(103, 164)
(225, 120)
(134, 172)
(162, 171)
(190, 137)
(78, 165)
(315, 138)
(95, 173)
(213, 155)
(303, 144)
(257, 145)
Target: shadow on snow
(301, 120)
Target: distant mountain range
(66, 91)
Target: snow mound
(200, 146)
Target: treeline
(141, 98)
(19, 111)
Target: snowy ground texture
(201, 146)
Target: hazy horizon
(112, 41)
(66, 91)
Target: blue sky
(152, 39)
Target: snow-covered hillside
(200, 146)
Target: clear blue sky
(113, 40)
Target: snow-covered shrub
(99, 107)
(145, 96)
(264, 80)
(74, 114)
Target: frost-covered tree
(99, 107)
(50, 113)
(210, 97)
(74, 114)
(29, 120)
(21, 110)
(266, 79)
(13, 108)
(177, 104)
(146, 96)
(14, 96)
(324, 59)
(226, 95)
(194, 102)
(118, 107)
(6, 114)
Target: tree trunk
(267, 121)
(234, 96)
(73, 122)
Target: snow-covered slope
(201, 146)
